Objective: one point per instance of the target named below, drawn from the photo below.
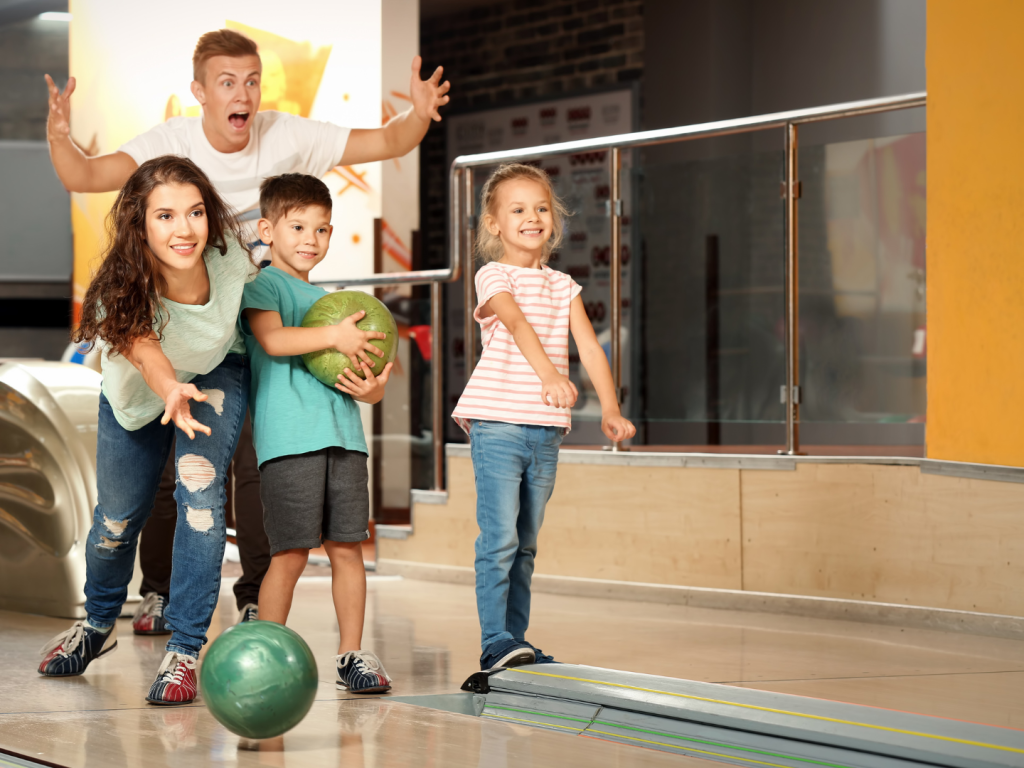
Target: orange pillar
(976, 231)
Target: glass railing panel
(401, 423)
(707, 354)
(863, 351)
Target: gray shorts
(316, 495)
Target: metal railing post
(791, 194)
(437, 382)
(468, 273)
(615, 282)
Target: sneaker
(69, 653)
(540, 657)
(149, 616)
(249, 612)
(361, 672)
(507, 654)
(175, 680)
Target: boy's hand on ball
(352, 341)
(369, 390)
(617, 428)
(558, 392)
(58, 121)
(176, 409)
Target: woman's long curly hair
(123, 301)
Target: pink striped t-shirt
(504, 386)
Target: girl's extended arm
(614, 426)
(280, 340)
(148, 357)
(556, 389)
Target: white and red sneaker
(175, 680)
(69, 653)
(149, 616)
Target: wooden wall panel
(853, 531)
(657, 525)
(665, 526)
(885, 533)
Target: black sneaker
(69, 653)
(507, 654)
(249, 612)
(149, 616)
(361, 672)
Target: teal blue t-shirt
(292, 412)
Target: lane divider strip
(774, 711)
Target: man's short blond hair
(222, 42)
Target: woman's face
(176, 226)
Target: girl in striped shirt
(516, 404)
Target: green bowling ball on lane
(258, 679)
(327, 364)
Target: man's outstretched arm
(405, 131)
(77, 171)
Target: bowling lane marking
(774, 711)
(704, 742)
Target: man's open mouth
(238, 119)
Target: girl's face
(522, 215)
(176, 226)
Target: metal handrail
(462, 225)
(463, 220)
(699, 130)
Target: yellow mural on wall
(125, 87)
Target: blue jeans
(128, 469)
(514, 466)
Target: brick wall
(504, 53)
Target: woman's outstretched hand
(176, 409)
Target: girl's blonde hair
(488, 246)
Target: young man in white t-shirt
(237, 146)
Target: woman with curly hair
(165, 305)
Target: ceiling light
(54, 16)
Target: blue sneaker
(361, 672)
(69, 653)
(507, 654)
(542, 658)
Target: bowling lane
(427, 635)
(368, 733)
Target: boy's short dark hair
(280, 194)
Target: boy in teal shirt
(309, 439)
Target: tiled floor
(426, 634)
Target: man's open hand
(58, 120)
(428, 95)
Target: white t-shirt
(278, 143)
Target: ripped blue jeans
(128, 469)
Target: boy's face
(230, 95)
(298, 240)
